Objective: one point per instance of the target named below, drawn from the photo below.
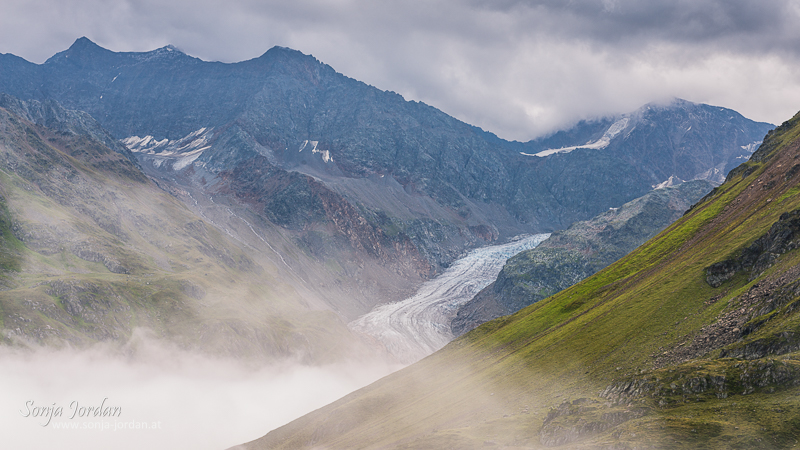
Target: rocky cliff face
(761, 254)
(571, 255)
(91, 249)
(305, 206)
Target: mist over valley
(223, 249)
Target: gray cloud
(517, 68)
(177, 399)
(744, 24)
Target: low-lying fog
(153, 396)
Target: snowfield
(612, 132)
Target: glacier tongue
(418, 326)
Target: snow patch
(326, 154)
(305, 144)
(180, 152)
(714, 175)
(671, 181)
(612, 132)
(167, 51)
(750, 148)
(182, 163)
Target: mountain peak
(294, 62)
(85, 52)
(84, 43)
(85, 46)
(669, 103)
(288, 54)
(83, 49)
(168, 51)
(279, 50)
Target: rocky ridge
(412, 171)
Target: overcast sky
(516, 68)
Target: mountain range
(690, 341)
(254, 209)
(380, 192)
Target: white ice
(615, 129)
(418, 326)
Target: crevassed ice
(182, 163)
(419, 325)
(671, 181)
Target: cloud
(517, 68)
(167, 398)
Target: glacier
(418, 326)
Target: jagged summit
(165, 50)
(90, 54)
(168, 52)
(292, 62)
(280, 50)
(475, 186)
(84, 50)
(83, 43)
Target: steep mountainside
(680, 138)
(690, 341)
(422, 185)
(571, 255)
(91, 249)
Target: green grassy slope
(571, 255)
(644, 354)
(91, 250)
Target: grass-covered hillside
(690, 341)
(91, 250)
